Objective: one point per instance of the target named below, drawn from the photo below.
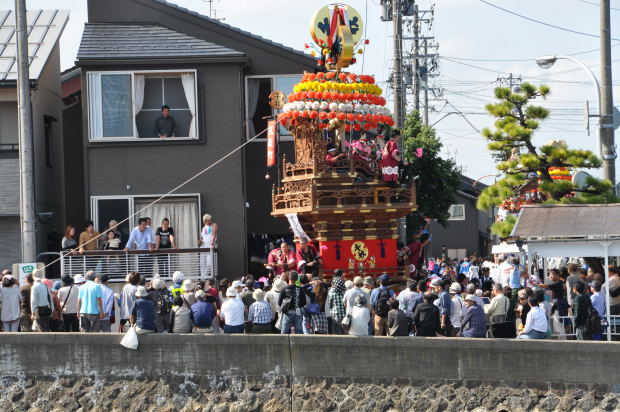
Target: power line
(596, 4)
(522, 60)
(542, 22)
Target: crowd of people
(449, 299)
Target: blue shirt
(515, 278)
(473, 323)
(464, 267)
(374, 295)
(140, 240)
(203, 314)
(144, 311)
(89, 293)
(598, 301)
(445, 303)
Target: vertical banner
(271, 143)
(298, 231)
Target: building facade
(216, 80)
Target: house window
(49, 142)
(8, 126)
(126, 105)
(182, 210)
(257, 93)
(457, 212)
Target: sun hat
(470, 297)
(358, 281)
(177, 277)
(278, 285)
(188, 285)
(141, 292)
(258, 294)
(368, 281)
(78, 279)
(200, 294)
(455, 287)
(231, 292)
(157, 283)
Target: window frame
(272, 77)
(93, 106)
(94, 206)
(457, 219)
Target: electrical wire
(524, 60)
(195, 176)
(596, 4)
(543, 23)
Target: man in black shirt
(557, 288)
(426, 317)
(164, 124)
(291, 301)
(164, 239)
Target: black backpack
(163, 304)
(593, 320)
(382, 307)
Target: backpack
(593, 320)
(382, 307)
(163, 304)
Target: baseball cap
(455, 287)
(384, 278)
(470, 297)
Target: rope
(221, 159)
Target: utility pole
(24, 114)
(397, 70)
(425, 82)
(416, 52)
(606, 127)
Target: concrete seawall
(273, 373)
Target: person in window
(89, 239)
(164, 239)
(164, 124)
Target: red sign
(359, 257)
(271, 142)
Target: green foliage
(526, 166)
(438, 178)
(503, 229)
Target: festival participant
(281, 260)
(308, 258)
(332, 158)
(390, 159)
(416, 251)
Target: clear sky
(478, 43)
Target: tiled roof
(144, 41)
(568, 221)
(44, 30)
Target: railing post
(62, 264)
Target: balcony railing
(198, 263)
(9, 147)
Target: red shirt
(416, 253)
(278, 256)
(387, 157)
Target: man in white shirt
(232, 312)
(107, 300)
(457, 308)
(349, 296)
(536, 323)
(405, 297)
(141, 238)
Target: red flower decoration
(350, 117)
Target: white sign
(296, 226)
(24, 269)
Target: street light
(546, 62)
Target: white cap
(141, 292)
(231, 292)
(78, 278)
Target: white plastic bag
(130, 340)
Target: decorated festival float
(333, 191)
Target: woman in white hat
(272, 298)
(161, 295)
(143, 314)
(188, 291)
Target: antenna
(212, 11)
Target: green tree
(526, 166)
(438, 178)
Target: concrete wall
(273, 372)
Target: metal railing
(197, 263)
(9, 147)
(563, 327)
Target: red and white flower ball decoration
(353, 99)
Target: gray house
(468, 230)
(134, 57)
(44, 30)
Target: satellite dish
(580, 179)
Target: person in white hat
(350, 295)
(272, 297)
(259, 313)
(474, 321)
(78, 279)
(188, 291)
(143, 316)
(203, 313)
(161, 295)
(40, 303)
(177, 286)
(457, 308)
(232, 312)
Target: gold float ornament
(359, 250)
(336, 29)
(277, 99)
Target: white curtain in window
(94, 100)
(138, 99)
(183, 215)
(253, 88)
(188, 87)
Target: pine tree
(526, 166)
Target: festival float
(340, 200)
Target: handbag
(313, 309)
(346, 322)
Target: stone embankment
(89, 372)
